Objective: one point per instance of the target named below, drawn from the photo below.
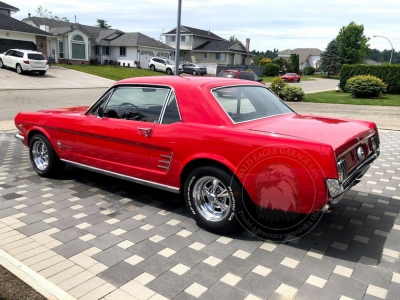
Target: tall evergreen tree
(102, 24)
(330, 59)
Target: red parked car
(291, 77)
(227, 145)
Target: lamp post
(178, 38)
(391, 53)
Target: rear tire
(210, 198)
(19, 69)
(44, 159)
(194, 73)
(1, 64)
(152, 68)
(168, 71)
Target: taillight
(47, 63)
(26, 62)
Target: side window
(171, 114)
(10, 52)
(136, 103)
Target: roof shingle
(198, 32)
(138, 39)
(11, 24)
(7, 6)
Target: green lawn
(112, 72)
(345, 98)
(322, 76)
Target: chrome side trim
(355, 145)
(19, 137)
(164, 187)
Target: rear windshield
(36, 56)
(246, 103)
(227, 74)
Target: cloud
(310, 24)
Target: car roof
(24, 50)
(235, 71)
(182, 81)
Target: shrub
(271, 70)
(365, 86)
(292, 93)
(389, 74)
(265, 61)
(308, 70)
(277, 86)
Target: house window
(78, 47)
(97, 50)
(122, 51)
(206, 55)
(220, 56)
(60, 49)
(184, 39)
(171, 38)
(105, 50)
(4, 12)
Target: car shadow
(355, 230)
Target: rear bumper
(355, 176)
(19, 137)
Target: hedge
(271, 70)
(365, 86)
(390, 74)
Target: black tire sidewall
(230, 222)
(52, 156)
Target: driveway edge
(30, 277)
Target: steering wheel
(127, 104)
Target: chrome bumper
(355, 176)
(19, 137)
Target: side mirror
(260, 80)
(100, 112)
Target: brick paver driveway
(97, 237)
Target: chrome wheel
(211, 198)
(40, 155)
(19, 69)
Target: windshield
(227, 74)
(246, 103)
(170, 62)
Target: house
(18, 35)
(204, 46)
(307, 56)
(77, 43)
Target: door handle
(144, 131)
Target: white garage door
(144, 59)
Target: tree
(233, 39)
(282, 63)
(102, 24)
(330, 59)
(353, 44)
(257, 59)
(45, 13)
(294, 63)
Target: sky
(269, 24)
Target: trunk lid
(340, 134)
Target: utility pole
(178, 38)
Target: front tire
(1, 64)
(44, 159)
(19, 69)
(210, 197)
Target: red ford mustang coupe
(227, 145)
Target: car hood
(67, 110)
(341, 134)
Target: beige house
(202, 46)
(78, 43)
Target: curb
(30, 277)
